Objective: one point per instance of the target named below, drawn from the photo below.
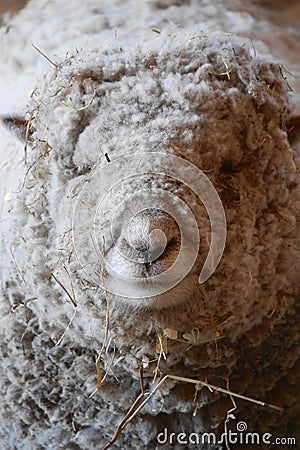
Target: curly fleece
(201, 95)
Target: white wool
(128, 78)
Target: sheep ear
(293, 129)
(17, 125)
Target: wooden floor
(11, 5)
(282, 12)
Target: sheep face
(134, 158)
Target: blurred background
(282, 12)
(11, 5)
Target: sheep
(134, 145)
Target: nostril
(149, 247)
(149, 233)
(143, 248)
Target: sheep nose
(149, 233)
(149, 247)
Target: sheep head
(118, 145)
